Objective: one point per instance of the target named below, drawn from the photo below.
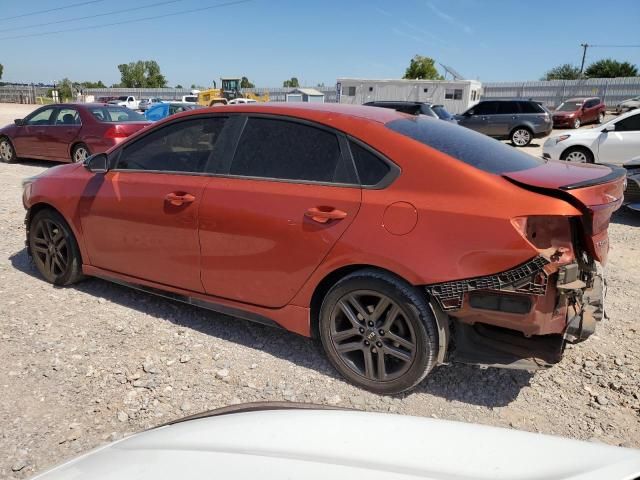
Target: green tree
(180, 86)
(141, 74)
(97, 84)
(1, 70)
(245, 83)
(563, 72)
(65, 89)
(609, 68)
(292, 83)
(422, 68)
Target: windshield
(441, 112)
(569, 106)
(116, 114)
(464, 144)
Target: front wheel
(577, 154)
(54, 248)
(521, 137)
(378, 332)
(7, 152)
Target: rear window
(116, 114)
(466, 145)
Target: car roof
(397, 102)
(315, 111)
(581, 99)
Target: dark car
(401, 242)
(415, 108)
(68, 132)
(517, 120)
(578, 111)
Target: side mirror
(609, 128)
(98, 163)
(19, 122)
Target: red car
(579, 111)
(68, 132)
(401, 242)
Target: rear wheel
(54, 248)
(577, 154)
(576, 123)
(80, 153)
(601, 117)
(521, 137)
(378, 332)
(7, 152)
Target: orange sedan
(400, 242)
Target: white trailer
(456, 95)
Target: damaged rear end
(523, 317)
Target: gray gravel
(86, 365)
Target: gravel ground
(85, 365)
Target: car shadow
(626, 216)
(30, 162)
(456, 382)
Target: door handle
(178, 199)
(324, 214)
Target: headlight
(28, 181)
(561, 138)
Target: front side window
(43, 117)
(484, 108)
(286, 150)
(184, 146)
(68, 116)
(629, 124)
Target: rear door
(505, 118)
(30, 138)
(621, 145)
(289, 195)
(141, 218)
(64, 130)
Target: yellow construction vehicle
(230, 90)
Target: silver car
(517, 120)
(628, 104)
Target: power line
(226, 4)
(113, 12)
(616, 46)
(52, 9)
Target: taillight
(115, 132)
(549, 234)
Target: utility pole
(584, 54)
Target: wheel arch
(519, 126)
(330, 279)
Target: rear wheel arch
(74, 145)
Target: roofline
(404, 80)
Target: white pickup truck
(126, 101)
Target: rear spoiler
(615, 174)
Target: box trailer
(455, 95)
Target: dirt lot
(82, 366)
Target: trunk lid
(596, 190)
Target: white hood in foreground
(329, 445)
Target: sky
(269, 41)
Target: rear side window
(371, 169)
(286, 150)
(184, 146)
(508, 108)
(530, 107)
(464, 144)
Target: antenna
(454, 73)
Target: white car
(237, 101)
(615, 142)
(298, 441)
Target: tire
(7, 152)
(576, 123)
(394, 318)
(577, 154)
(521, 137)
(600, 117)
(54, 249)
(79, 153)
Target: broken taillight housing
(549, 234)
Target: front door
(622, 144)
(30, 138)
(141, 218)
(478, 117)
(266, 227)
